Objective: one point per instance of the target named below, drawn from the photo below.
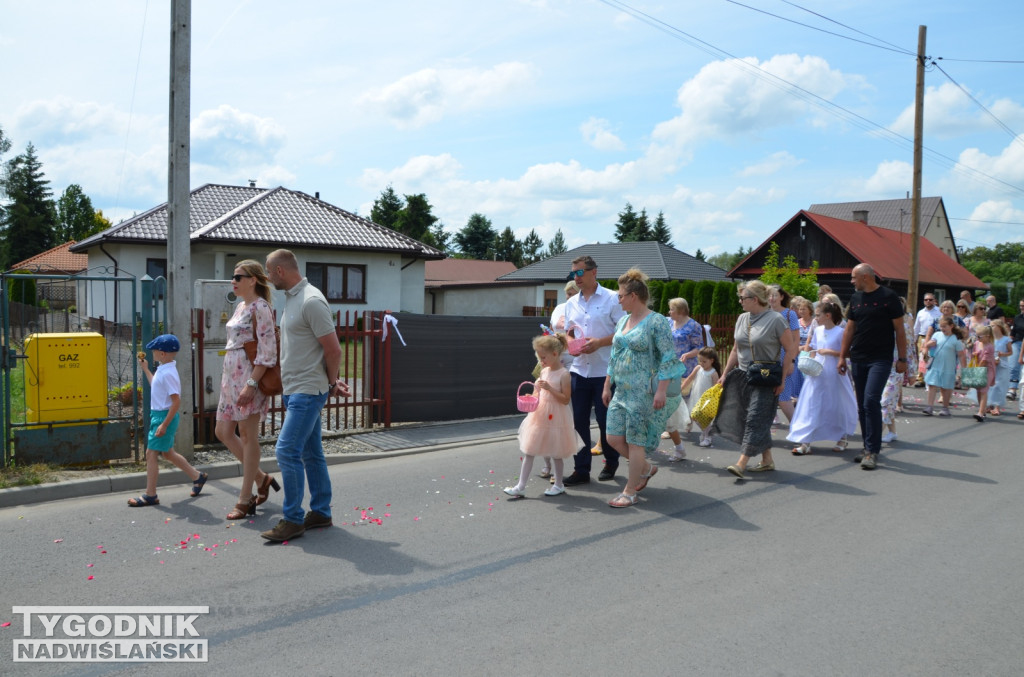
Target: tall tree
(75, 216)
(99, 222)
(386, 208)
(415, 219)
(557, 245)
(699, 255)
(660, 232)
(439, 238)
(626, 225)
(476, 239)
(30, 217)
(642, 229)
(533, 248)
(508, 248)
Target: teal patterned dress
(640, 358)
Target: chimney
(861, 215)
(252, 183)
(317, 195)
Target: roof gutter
(116, 286)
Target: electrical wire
(872, 128)
(970, 96)
(893, 48)
(849, 28)
(131, 107)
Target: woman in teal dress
(646, 375)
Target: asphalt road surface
(819, 568)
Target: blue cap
(166, 342)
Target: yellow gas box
(65, 377)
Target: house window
(550, 299)
(339, 282)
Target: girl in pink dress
(548, 430)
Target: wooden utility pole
(179, 264)
(915, 217)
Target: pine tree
(30, 218)
(661, 232)
(508, 248)
(626, 226)
(415, 219)
(533, 248)
(76, 217)
(699, 255)
(557, 245)
(642, 228)
(386, 208)
(439, 238)
(476, 239)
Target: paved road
(817, 569)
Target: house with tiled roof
(838, 245)
(895, 215)
(358, 264)
(60, 260)
(657, 260)
(471, 287)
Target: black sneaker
(315, 520)
(608, 473)
(576, 478)
(284, 531)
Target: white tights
(524, 473)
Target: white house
(358, 264)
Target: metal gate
(74, 309)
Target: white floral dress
(237, 369)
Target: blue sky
(544, 114)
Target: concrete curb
(136, 482)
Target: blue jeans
(1015, 369)
(586, 393)
(868, 383)
(300, 455)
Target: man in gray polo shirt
(310, 357)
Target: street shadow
(895, 465)
(368, 555)
(691, 507)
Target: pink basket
(576, 342)
(526, 403)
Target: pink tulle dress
(548, 430)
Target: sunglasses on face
(238, 278)
(577, 273)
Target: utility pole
(179, 264)
(915, 217)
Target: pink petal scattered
(387, 514)
(161, 561)
(195, 535)
(103, 552)
(88, 566)
(89, 578)
(387, 505)
(415, 519)
(284, 542)
(159, 548)
(59, 540)
(4, 625)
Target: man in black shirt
(1017, 335)
(874, 330)
(994, 311)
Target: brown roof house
(59, 294)
(838, 245)
(357, 264)
(471, 287)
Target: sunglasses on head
(238, 278)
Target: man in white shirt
(596, 311)
(925, 317)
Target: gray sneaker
(284, 531)
(315, 520)
(869, 461)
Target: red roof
(465, 270)
(888, 252)
(58, 259)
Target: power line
(857, 120)
(1003, 223)
(893, 48)
(850, 28)
(999, 122)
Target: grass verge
(27, 475)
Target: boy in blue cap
(164, 402)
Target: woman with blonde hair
(242, 405)
(646, 375)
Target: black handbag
(762, 374)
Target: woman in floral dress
(242, 404)
(646, 375)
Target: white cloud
(730, 99)
(229, 138)
(948, 112)
(428, 95)
(892, 178)
(1007, 166)
(774, 163)
(597, 133)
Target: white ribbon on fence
(390, 319)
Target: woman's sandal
(802, 450)
(143, 500)
(623, 501)
(645, 478)
(1021, 415)
(841, 446)
(263, 491)
(243, 510)
(197, 485)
